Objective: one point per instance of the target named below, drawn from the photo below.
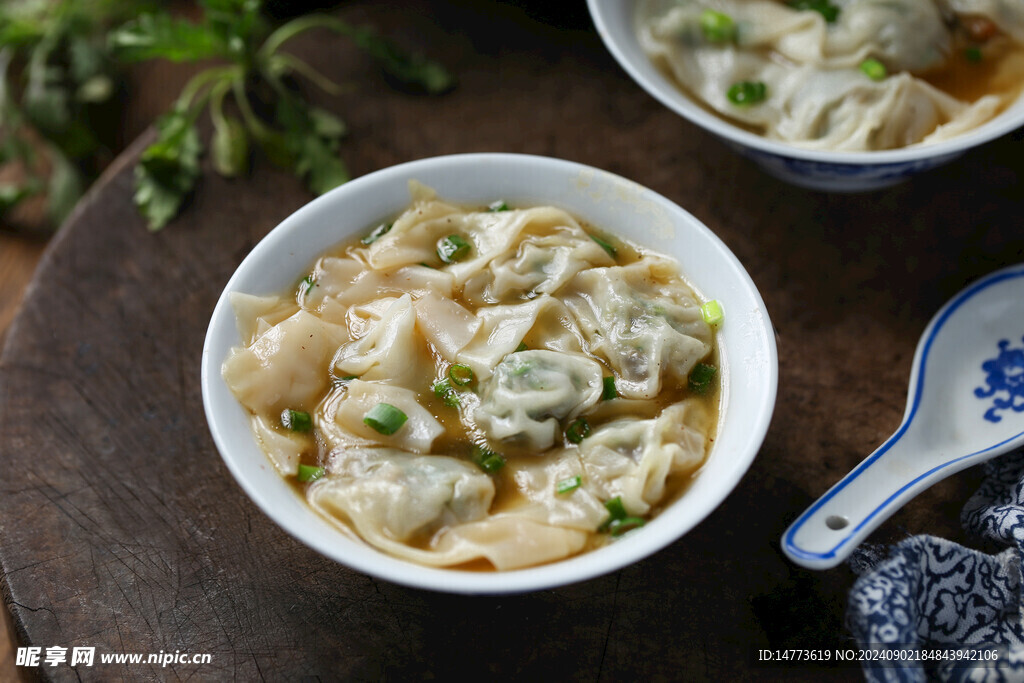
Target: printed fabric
(935, 610)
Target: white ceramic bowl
(815, 169)
(749, 364)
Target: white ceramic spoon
(965, 405)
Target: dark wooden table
(121, 529)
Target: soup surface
(487, 387)
(845, 75)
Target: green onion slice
(376, 233)
(608, 392)
(296, 420)
(444, 390)
(488, 460)
(701, 377)
(712, 313)
(499, 205)
(973, 54)
(717, 27)
(522, 347)
(874, 69)
(823, 7)
(461, 374)
(618, 527)
(310, 473)
(616, 511)
(606, 245)
(578, 430)
(747, 93)
(385, 419)
(567, 485)
(306, 284)
(452, 248)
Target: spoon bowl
(965, 405)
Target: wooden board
(122, 529)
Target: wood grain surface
(121, 529)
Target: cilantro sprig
(58, 81)
(251, 57)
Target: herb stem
(203, 79)
(256, 127)
(286, 61)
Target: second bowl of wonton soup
(428, 380)
(845, 95)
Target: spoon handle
(829, 530)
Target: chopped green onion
(376, 233)
(427, 265)
(443, 390)
(608, 392)
(452, 248)
(701, 377)
(606, 245)
(712, 313)
(746, 93)
(567, 485)
(578, 430)
(973, 55)
(874, 69)
(823, 7)
(385, 419)
(487, 460)
(499, 205)
(296, 420)
(616, 511)
(618, 527)
(310, 473)
(306, 284)
(461, 374)
(717, 27)
(522, 347)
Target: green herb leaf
(452, 248)
(497, 206)
(315, 156)
(461, 374)
(568, 485)
(822, 7)
(161, 36)
(874, 69)
(717, 27)
(701, 377)
(608, 390)
(377, 233)
(310, 473)
(712, 313)
(487, 460)
(747, 93)
(385, 419)
(296, 420)
(606, 245)
(168, 169)
(578, 430)
(616, 511)
(444, 390)
(618, 527)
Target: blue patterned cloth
(931, 599)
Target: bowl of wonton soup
(840, 122)
(745, 348)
